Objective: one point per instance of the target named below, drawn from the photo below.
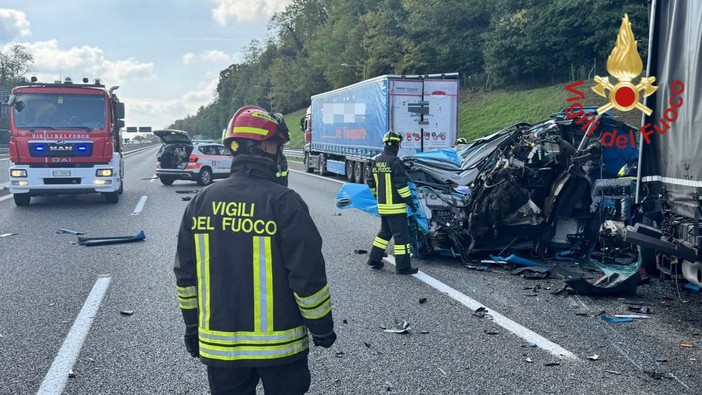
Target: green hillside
(482, 113)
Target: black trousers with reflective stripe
(394, 226)
(291, 379)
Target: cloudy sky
(165, 55)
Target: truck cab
(64, 139)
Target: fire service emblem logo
(624, 63)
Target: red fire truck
(65, 139)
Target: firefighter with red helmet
(250, 275)
(389, 185)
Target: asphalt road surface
(61, 310)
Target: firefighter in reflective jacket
(250, 274)
(282, 170)
(389, 185)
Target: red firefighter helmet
(254, 123)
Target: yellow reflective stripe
(388, 189)
(312, 300)
(381, 243)
(202, 253)
(404, 192)
(398, 208)
(269, 284)
(186, 292)
(318, 312)
(263, 284)
(283, 173)
(251, 338)
(188, 304)
(250, 130)
(399, 249)
(253, 352)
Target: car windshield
(59, 111)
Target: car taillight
(193, 158)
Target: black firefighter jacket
(389, 184)
(249, 270)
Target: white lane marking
(473, 304)
(140, 205)
(4, 159)
(55, 379)
(314, 175)
(3, 198)
(499, 319)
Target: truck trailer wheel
(358, 172)
(367, 174)
(349, 170)
(111, 197)
(306, 162)
(22, 199)
(321, 165)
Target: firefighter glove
(192, 343)
(324, 341)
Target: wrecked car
(545, 188)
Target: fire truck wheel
(111, 197)
(22, 199)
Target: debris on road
(593, 357)
(69, 232)
(552, 363)
(345, 321)
(187, 191)
(517, 260)
(399, 326)
(186, 198)
(478, 268)
(126, 312)
(366, 344)
(423, 332)
(528, 360)
(532, 272)
(491, 332)
(98, 241)
(531, 345)
(633, 316)
(661, 360)
(687, 345)
(692, 287)
(360, 252)
(615, 320)
(480, 312)
(614, 372)
(336, 215)
(608, 285)
(640, 309)
(8, 234)
(339, 354)
(653, 374)
(442, 371)
(388, 386)
(422, 300)
(71, 374)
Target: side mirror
(11, 100)
(119, 110)
(302, 124)
(119, 124)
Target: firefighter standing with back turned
(250, 274)
(389, 185)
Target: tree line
(318, 45)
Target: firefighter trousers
(392, 226)
(291, 379)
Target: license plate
(61, 173)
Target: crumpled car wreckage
(545, 190)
